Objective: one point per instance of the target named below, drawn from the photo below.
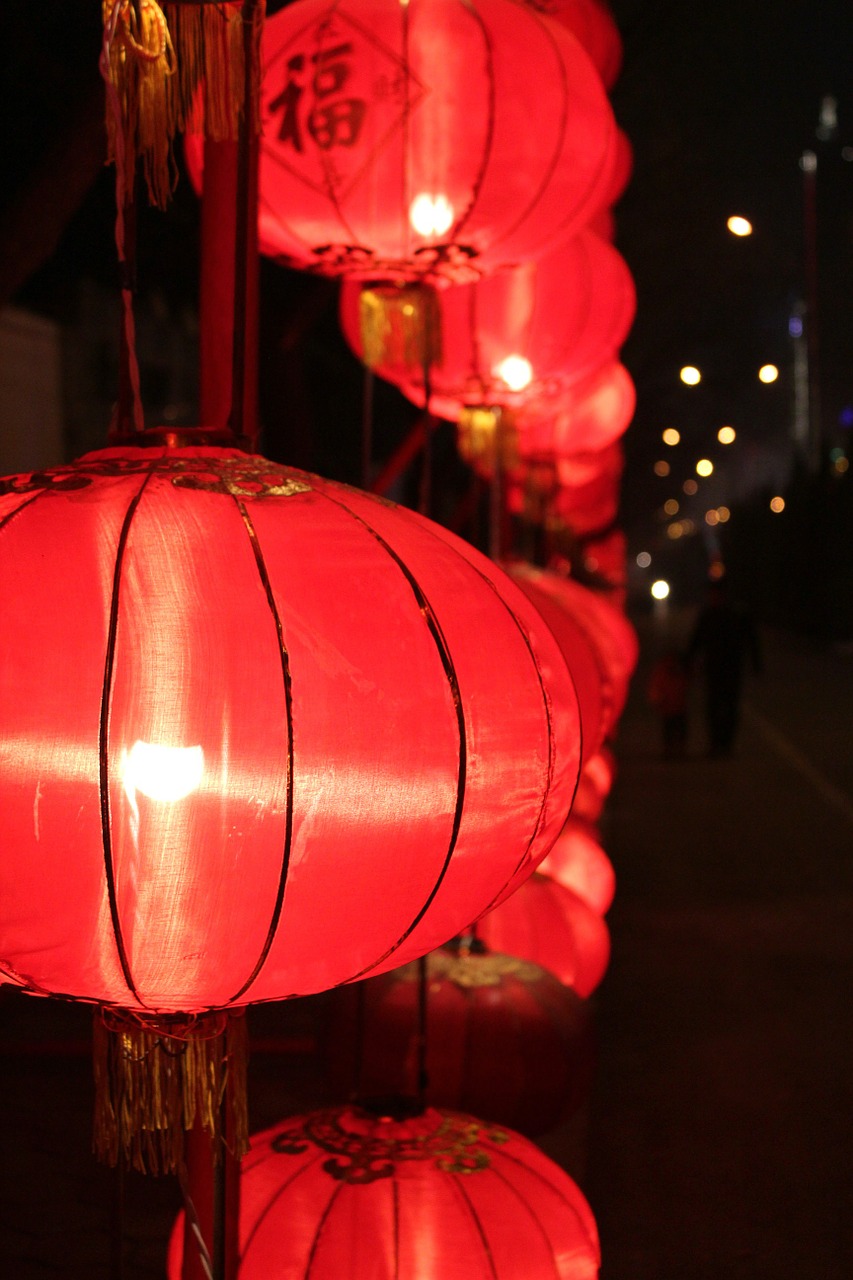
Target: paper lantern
(593, 682)
(398, 140)
(482, 1009)
(606, 630)
(519, 334)
(548, 924)
(255, 732)
(578, 862)
(439, 1196)
(577, 418)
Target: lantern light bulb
(161, 772)
(431, 215)
(515, 371)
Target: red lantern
(482, 1008)
(607, 629)
(255, 740)
(592, 22)
(582, 418)
(440, 1196)
(518, 334)
(553, 927)
(594, 785)
(398, 141)
(578, 862)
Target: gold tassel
(485, 434)
(157, 61)
(400, 325)
(155, 1079)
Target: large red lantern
(482, 1008)
(578, 862)
(518, 334)
(594, 786)
(255, 741)
(439, 1196)
(548, 924)
(398, 139)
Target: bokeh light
(644, 560)
(768, 373)
(662, 468)
(671, 506)
(739, 226)
(690, 375)
(660, 589)
(712, 517)
(690, 486)
(671, 436)
(704, 467)
(777, 504)
(723, 514)
(726, 435)
(674, 530)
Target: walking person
(725, 639)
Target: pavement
(718, 1138)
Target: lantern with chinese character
(398, 141)
(481, 1008)
(548, 924)
(251, 747)
(578, 862)
(437, 1196)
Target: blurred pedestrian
(725, 639)
(667, 693)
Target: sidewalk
(721, 1133)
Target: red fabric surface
(254, 731)
(438, 1197)
(368, 105)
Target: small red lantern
(516, 335)
(607, 629)
(584, 417)
(438, 1196)
(253, 748)
(594, 786)
(482, 1008)
(548, 924)
(398, 141)
(578, 862)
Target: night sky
(719, 101)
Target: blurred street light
(704, 467)
(768, 373)
(739, 226)
(690, 375)
(671, 436)
(726, 435)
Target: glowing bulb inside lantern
(162, 773)
(516, 372)
(431, 215)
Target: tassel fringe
(157, 60)
(400, 325)
(153, 1082)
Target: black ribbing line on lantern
(103, 737)
(456, 1180)
(288, 703)
(557, 152)
(477, 184)
(312, 1253)
(462, 766)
